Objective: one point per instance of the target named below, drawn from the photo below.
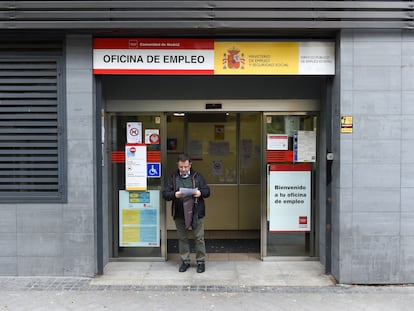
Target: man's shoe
(184, 266)
(201, 267)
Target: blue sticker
(154, 170)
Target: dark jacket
(171, 187)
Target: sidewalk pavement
(246, 285)
(227, 276)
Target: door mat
(221, 245)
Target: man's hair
(183, 157)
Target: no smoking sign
(134, 132)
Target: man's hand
(197, 194)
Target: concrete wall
(374, 194)
(58, 239)
(80, 236)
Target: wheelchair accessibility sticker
(154, 170)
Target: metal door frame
(314, 210)
(265, 107)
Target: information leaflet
(135, 167)
(139, 220)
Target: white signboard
(277, 141)
(152, 136)
(316, 58)
(134, 132)
(304, 146)
(135, 167)
(153, 56)
(289, 197)
(174, 56)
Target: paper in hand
(188, 191)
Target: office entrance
(230, 149)
(225, 148)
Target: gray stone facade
(373, 170)
(59, 239)
(79, 213)
(373, 213)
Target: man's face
(184, 167)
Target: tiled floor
(229, 270)
(221, 257)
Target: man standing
(183, 186)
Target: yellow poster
(130, 216)
(130, 235)
(250, 58)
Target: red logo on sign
(233, 60)
(154, 139)
(303, 220)
(132, 149)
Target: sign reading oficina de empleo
(170, 56)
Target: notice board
(139, 218)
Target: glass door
(136, 215)
(211, 141)
(290, 160)
(212, 144)
(226, 149)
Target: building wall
(80, 212)
(59, 239)
(374, 212)
(373, 172)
